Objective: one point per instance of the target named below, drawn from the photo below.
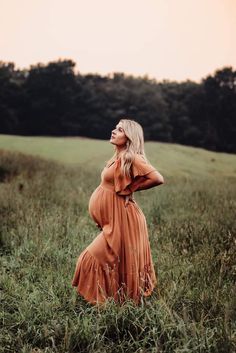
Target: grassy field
(171, 159)
(44, 225)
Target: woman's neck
(120, 150)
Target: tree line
(52, 100)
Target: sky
(162, 39)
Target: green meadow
(45, 185)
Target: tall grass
(44, 225)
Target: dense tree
(54, 100)
(10, 98)
(48, 92)
(219, 110)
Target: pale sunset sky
(164, 39)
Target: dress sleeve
(139, 168)
(121, 182)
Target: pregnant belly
(95, 205)
(93, 201)
(101, 205)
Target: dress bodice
(107, 177)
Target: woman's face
(118, 136)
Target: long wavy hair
(134, 145)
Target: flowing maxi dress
(118, 263)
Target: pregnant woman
(118, 263)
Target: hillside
(172, 160)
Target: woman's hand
(129, 198)
(99, 227)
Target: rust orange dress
(118, 263)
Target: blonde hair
(134, 145)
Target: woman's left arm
(148, 181)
